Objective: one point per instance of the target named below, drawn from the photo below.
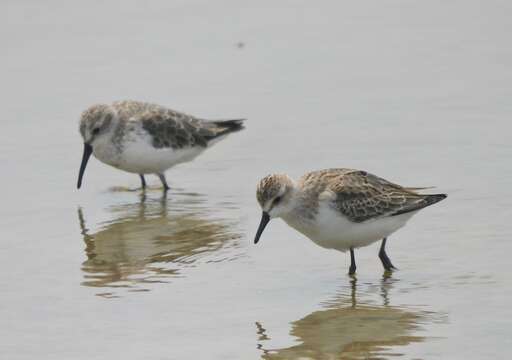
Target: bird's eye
(277, 200)
(95, 131)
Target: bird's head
(275, 196)
(96, 125)
(96, 122)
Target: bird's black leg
(384, 257)
(142, 181)
(164, 182)
(352, 269)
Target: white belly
(139, 156)
(142, 158)
(330, 229)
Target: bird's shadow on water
(154, 240)
(350, 326)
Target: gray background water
(417, 92)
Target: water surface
(418, 93)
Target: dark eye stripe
(277, 200)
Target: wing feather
(362, 196)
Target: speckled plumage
(362, 196)
(146, 138)
(270, 186)
(167, 127)
(94, 115)
(341, 209)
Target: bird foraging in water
(145, 138)
(341, 209)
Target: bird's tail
(228, 126)
(421, 202)
(434, 198)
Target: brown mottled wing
(176, 130)
(361, 196)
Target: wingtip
(436, 198)
(231, 125)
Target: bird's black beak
(85, 158)
(265, 218)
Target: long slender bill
(265, 218)
(85, 158)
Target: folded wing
(361, 196)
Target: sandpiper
(145, 138)
(341, 209)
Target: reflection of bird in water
(143, 244)
(346, 330)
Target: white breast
(330, 229)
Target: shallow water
(418, 93)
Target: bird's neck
(302, 209)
